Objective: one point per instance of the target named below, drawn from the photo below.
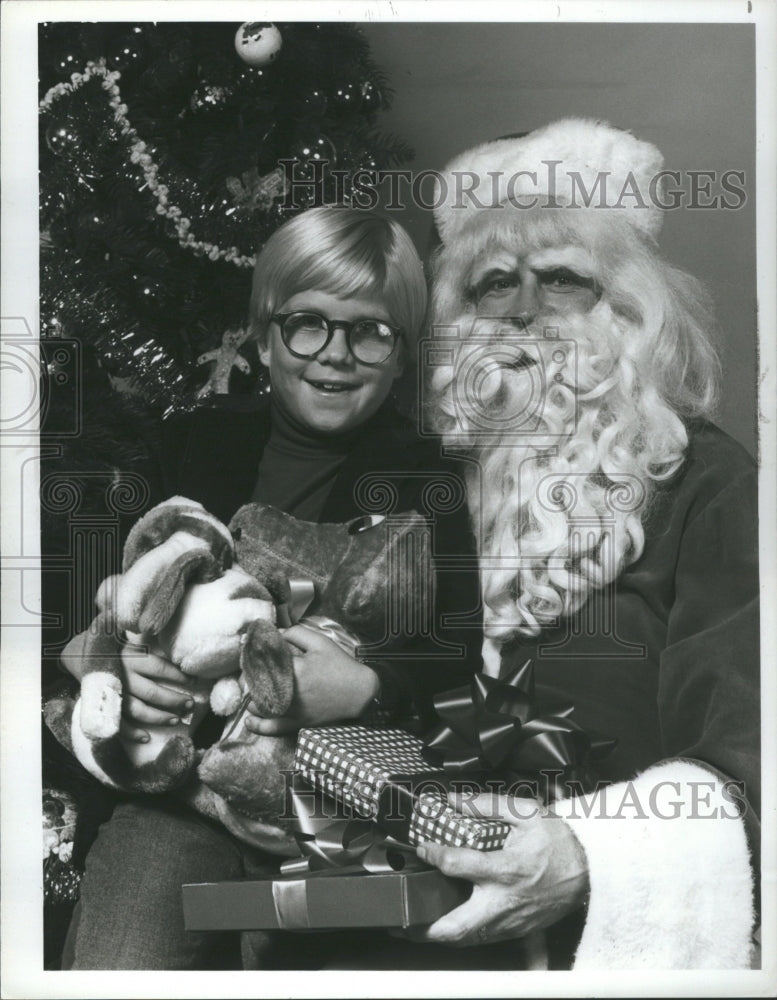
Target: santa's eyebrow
(491, 270)
(575, 258)
(479, 278)
(498, 272)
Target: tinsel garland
(139, 154)
(156, 374)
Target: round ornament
(347, 97)
(371, 97)
(319, 149)
(258, 42)
(63, 137)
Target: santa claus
(573, 371)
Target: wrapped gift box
(376, 774)
(381, 775)
(321, 900)
(384, 776)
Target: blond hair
(345, 252)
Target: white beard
(568, 448)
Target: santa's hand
(329, 685)
(536, 878)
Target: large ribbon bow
(329, 839)
(492, 725)
(332, 845)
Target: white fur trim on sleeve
(671, 883)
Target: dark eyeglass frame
(331, 325)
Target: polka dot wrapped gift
(381, 774)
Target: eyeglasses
(306, 334)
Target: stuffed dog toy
(208, 596)
(181, 589)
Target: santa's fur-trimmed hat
(566, 163)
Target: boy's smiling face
(331, 393)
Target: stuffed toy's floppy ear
(178, 514)
(178, 542)
(151, 590)
(268, 667)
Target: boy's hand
(151, 695)
(149, 682)
(329, 685)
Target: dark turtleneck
(298, 468)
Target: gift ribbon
(330, 844)
(491, 725)
(329, 839)
(302, 590)
(301, 593)
(290, 898)
(334, 630)
(333, 844)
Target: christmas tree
(166, 157)
(167, 153)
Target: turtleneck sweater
(298, 468)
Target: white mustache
(504, 377)
(577, 351)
